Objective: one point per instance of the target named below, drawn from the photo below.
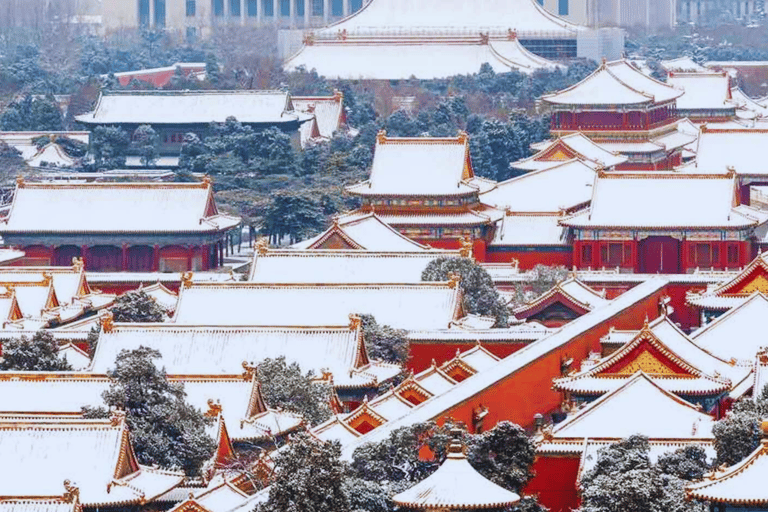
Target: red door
(660, 255)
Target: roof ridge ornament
(454, 280)
(186, 279)
(71, 493)
(511, 34)
(251, 371)
(20, 183)
(261, 246)
(77, 264)
(107, 320)
(467, 247)
(214, 408)
(117, 417)
(381, 137)
(355, 322)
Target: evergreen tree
(146, 140)
(739, 433)
(309, 477)
(480, 294)
(109, 145)
(11, 163)
(137, 306)
(384, 342)
(32, 114)
(625, 480)
(165, 429)
(284, 385)
(37, 354)
(295, 215)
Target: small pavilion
(456, 485)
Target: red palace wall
(529, 259)
(554, 482)
(528, 391)
(422, 354)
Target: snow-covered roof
(95, 455)
(748, 107)
(403, 18)
(404, 306)
(343, 266)
(328, 112)
(616, 415)
(77, 358)
(114, 208)
(521, 332)
(211, 351)
(455, 485)
(473, 385)
(682, 65)
(166, 298)
(51, 155)
(530, 229)
(364, 232)
(425, 58)
(570, 292)
(50, 504)
(736, 334)
(192, 107)
(555, 189)
(567, 147)
(666, 355)
(703, 91)
(422, 166)
(400, 401)
(615, 83)
(741, 485)
(679, 201)
(740, 149)
(478, 216)
(734, 288)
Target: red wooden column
(155, 258)
(684, 255)
(124, 259)
(190, 254)
(84, 255)
(206, 254)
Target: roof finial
(381, 137)
(107, 320)
(186, 279)
(355, 322)
(454, 279)
(466, 247)
(645, 322)
(116, 417)
(77, 264)
(214, 408)
(251, 370)
(71, 493)
(20, 181)
(261, 245)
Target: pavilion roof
(615, 83)
(619, 414)
(342, 266)
(455, 485)
(115, 208)
(363, 232)
(748, 107)
(623, 200)
(703, 91)
(737, 334)
(39, 455)
(536, 192)
(401, 18)
(192, 107)
(666, 356)
(740, 485)
(328, 113)
(571, 292)
(569, 147)
(419, 166)
(199, 350)
(423, 57)
(405, 306)
(531, 229)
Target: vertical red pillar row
(84, 255)
(155, 258)
(124, 258)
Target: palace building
(694, 222)
(570, 449)
(565, 302)
(391, 40)
(707, 96)
(138, 227)
(173, 114)
(625, 111)
(427, 190)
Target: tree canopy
(137, 306)
(309, 477)
(480, 295)
(384, 342)
(625, 480)
(284, 385)
(40, 353)
(739, 433)
(32, 114)
(165, 429)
